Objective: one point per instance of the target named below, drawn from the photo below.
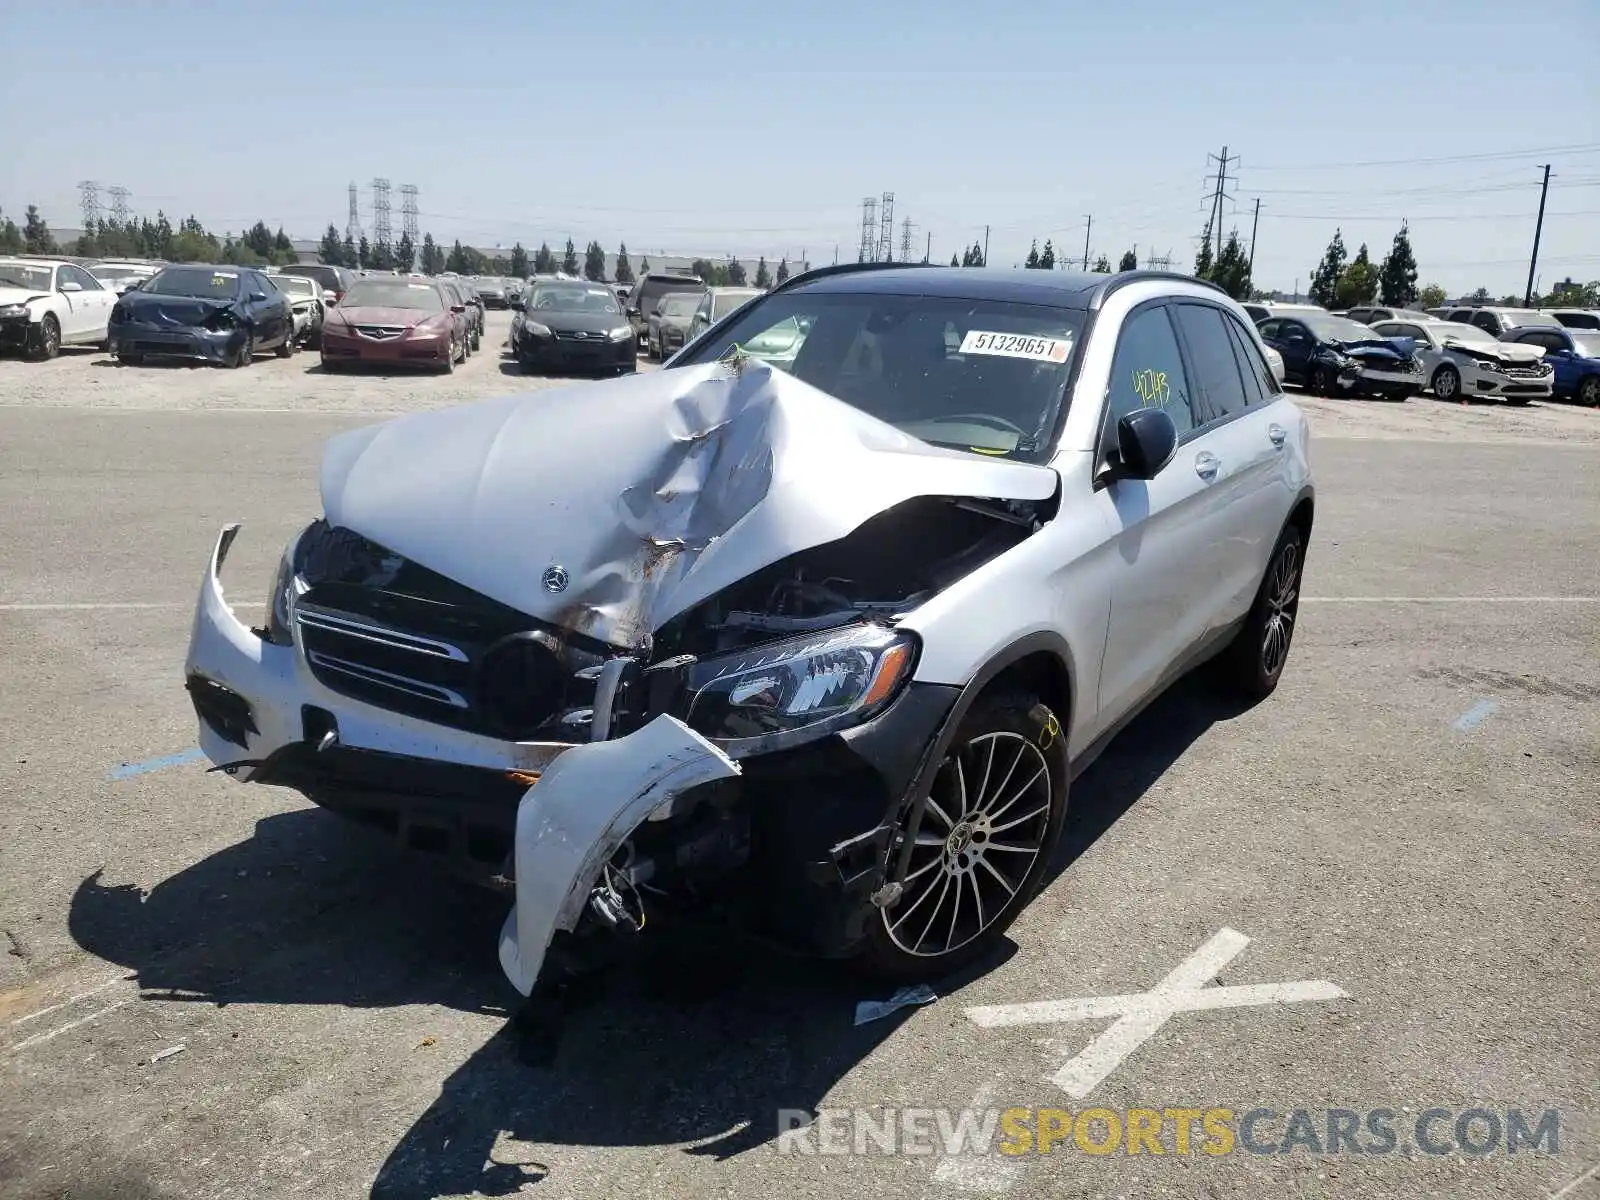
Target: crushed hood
(16, 295)
(1379, 349)
(1506, 352)
(609, 508)
(175, 310)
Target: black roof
(1061, 289)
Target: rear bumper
(166, 341)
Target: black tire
(130, 360)
(1447, 383)
(48, 342)
(247, 352)
(477, 339)
(1320, 381)
(1001, 736)
(288, 348)
(329, 367)
(1588, 393)
(449, 366)
(1251, 665)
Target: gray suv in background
(647, 294)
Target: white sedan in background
(1461, 361)
(309, 303)
(45, 305)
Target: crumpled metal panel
(650, 493)
(585, 805)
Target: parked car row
(1513, 355)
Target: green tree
(594, 263)
(1031, 263)
(736, 273)
(259, 238)
(644, 266)
(763, 276)
(364, 253)
(456, 260)
(36, 234)
(331, 251)
(1129, 261)
(973, 256)
(624, 272)
(783, 270)
(432, 257)
(519, 261)
(569, 260)
(1432, 296)
(281, 243)
(1102, 265)
(1397, 279)
(405, 253)
(701, 268)
(1047, 256)
(1325, 279)
(10, 237)
(544, 262)
(1202, 260)
(1359, 283)
(351, 255)
(1231, 272)
(1479, 296)
(955, 262)
(1569, 293)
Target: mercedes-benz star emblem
(555, 579)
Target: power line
(382, 231)
(869, 229)
(1426, 217)
(1496, 156)
(121, 212)
(886, 228)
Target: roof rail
(845, 268)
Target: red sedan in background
(396, 322)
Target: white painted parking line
(1140, 1015)
(1572, 1186)
(978, 1171)
(48, 1035)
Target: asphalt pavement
(212, 989)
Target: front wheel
(991, 821)
(1253, 662)
(247, 351)
(1321, 382)
(288, 348)
(1447, 383)
(47, 344)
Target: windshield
(724, 303)
(566, 297)
(649, 292)
(294, 284)
(1587, 344)
(679, 305)
(980, 375)
(25, 275)
(1456, 331)
(1338, 329)
(327, 276)
(393, 293)
(1526, 316)
(194, 281)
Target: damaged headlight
(14, 310)
(817, 683)
(280, 602)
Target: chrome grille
(381, 333)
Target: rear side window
(1147, 371)
(1270, 329)
(1488, 321)
(1216, 368)
(1260, 384)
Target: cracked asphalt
(1411, 819)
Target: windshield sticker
(1015, 345)
(1151, 387)
(420, 287)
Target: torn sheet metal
(609, 508)
(573, 820)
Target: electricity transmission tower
(352, 224)
(408, 213)
(89, 197)
(905, 239)
(886, 228)
(382, 232)
(1219, 194)
(869, 229)
(1154, 262)
(121, 213)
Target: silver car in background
(1461, 361)
(310, 307)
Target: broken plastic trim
(570, 823)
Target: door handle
(1277, 433)
(1206, 465)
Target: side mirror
(71, 286)
(258, 295)
(1147, 440)
(458, 308)
(633, 312)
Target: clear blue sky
(706, 126)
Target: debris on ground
(167, 1053)
(906, 997)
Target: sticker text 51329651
(1016, 345)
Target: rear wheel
(1589, 392)
(992, 819)
(1253, 662)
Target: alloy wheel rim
(1446, 387)
(52, 337)
(1283, 599)
(982, 830)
